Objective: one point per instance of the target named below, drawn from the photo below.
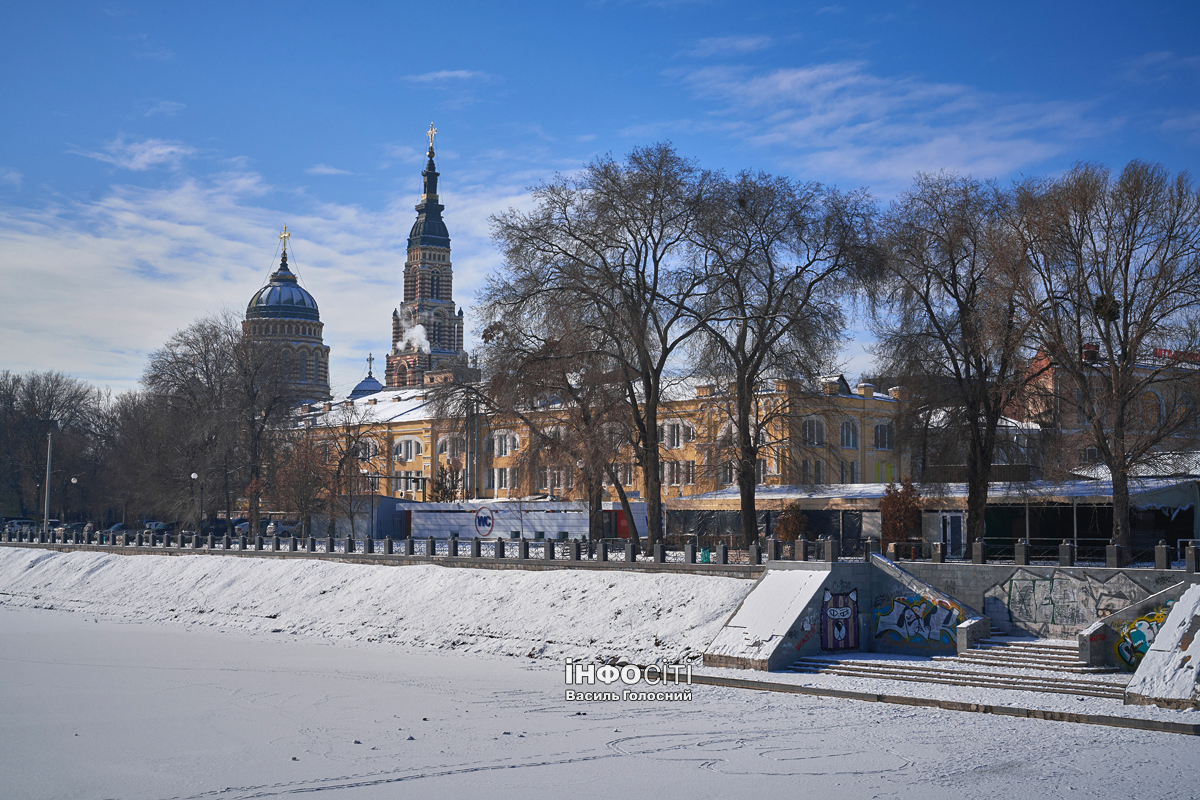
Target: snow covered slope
(764, 618)
(1169, 671)
(543, 614)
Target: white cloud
(105, 282)
(141, 156)
(158, 54)
(730, 45)
(10, 176)
(325, 169)
(445, 75)
(840, 122)
(165, 107)
(1159, 66)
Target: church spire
(430, 175)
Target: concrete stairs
(934, 672)
(1031, 654)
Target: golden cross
(370, 363)
(284, 236)
(432, 132)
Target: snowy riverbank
(542, 614)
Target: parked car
(18, 524)
(243, 528)
(162, 527)
(120, 527)
(283, 527)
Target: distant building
(427, 329)
(283, 311)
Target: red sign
(1176, 355)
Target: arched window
(435, 286)
(885, 436)
(366, 449)
(850, 434)
(405, 450)
(316, 367)
(303, 370)
(1151, 410)
(814, 432)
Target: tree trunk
(651, 479)
(633, 531)
(979, 471)
(1121, 535)
(747, 464)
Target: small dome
(366, 386)
(429, 230)
(283, 298)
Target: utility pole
(46, 509)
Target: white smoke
(415, 337)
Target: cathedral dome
(283, 298)
(366, 386)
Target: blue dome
(366, 386)
(283, 298)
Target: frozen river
(95, 708)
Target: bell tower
(427, 329)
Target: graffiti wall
(916, 622)
(1134, 637)
(1061, 602)
(839, 621)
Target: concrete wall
(837, 608)
(1053, 602)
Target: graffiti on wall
(1062, 599)
(916, 621)
(839, 621)
(1134, 637)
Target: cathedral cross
(432, 132)
(370, 362)
(283, 237)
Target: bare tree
(604, 248)
(550, 374)
(227, 393)
(778, 258)
(1116, 299)
(955, 275)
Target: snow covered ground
(544, 614)
(115, 687)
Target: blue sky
(151, 151)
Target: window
(676, 434)
(303, 370)
(849, 472)
(500, 444)
(1151, 410)
(850, 435)
(814, 432)
(543, 479)
(316, 367)
(760, 470)
(500, 480)
(366, 449)
(689, 473)
(490, 480)
(406, 450)
(1089, 455)
(884, 436)
(883, 473)
(726, 473)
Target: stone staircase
(1041, 654)
(1033, 665)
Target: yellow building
(834, 436)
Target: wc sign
(484, 521)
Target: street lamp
(46, 510)
(200, 524)
(372, 491)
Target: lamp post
(200, 523)
(46, 509)
(371, 489)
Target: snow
(767, 613)
(1168, 672)
(96, 708)
(203, 676)
(585, 614)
